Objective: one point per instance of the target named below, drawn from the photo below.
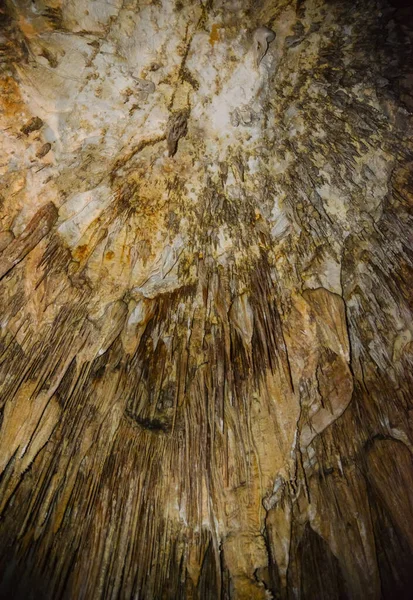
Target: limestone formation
(263, 36)
(177, 128)
(206, 343)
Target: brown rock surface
(206, 343)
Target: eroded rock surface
(206, 299)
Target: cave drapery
(206, 299)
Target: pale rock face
(205, 297)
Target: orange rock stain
(214, 36)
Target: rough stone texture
(206, 300)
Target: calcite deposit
(206, 299)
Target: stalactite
(206, 300)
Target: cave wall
(206, 299)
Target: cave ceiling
(206, 342)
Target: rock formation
(206, 300)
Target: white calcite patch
(80, 211)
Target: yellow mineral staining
(214, 36)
